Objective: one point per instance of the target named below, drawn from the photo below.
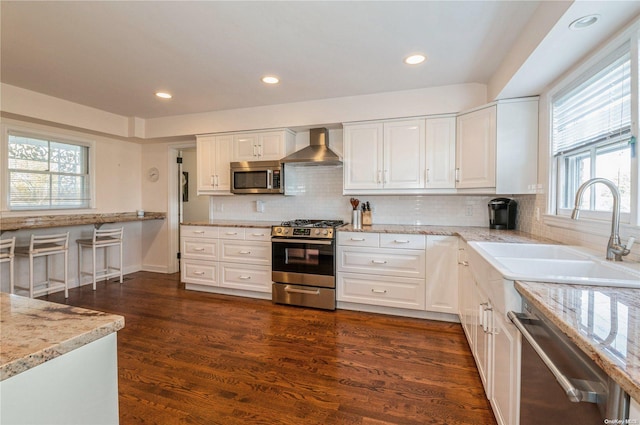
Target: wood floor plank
(188, 357)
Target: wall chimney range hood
(317, 153)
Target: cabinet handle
(257, 234)
(378, 262)
(379, 177)
(231, 233)
(379, 291)
(244, 277)
(244, 252)
(457, 175)
(217, 180)
(401, 241)
(213, 183)
(199, 273)
(198, 249)
(464, 263)
(427, 175)
(384, 177)
(358, 239)
(199, 232)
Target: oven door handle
(291, 290)
(306, 241)
(574, 394)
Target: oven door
(303, 262)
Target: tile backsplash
(319, 195)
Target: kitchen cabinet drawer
(231, 233)
(199, 249)
(245, 252)
(257, 234)
(380, 290)
(379, 261)
(199, 272)
(403, 241)
(359, 239)
(246, 276)
(199, 231)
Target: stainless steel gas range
(304, 263)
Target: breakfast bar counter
(58, 364)
(63, 220)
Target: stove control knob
(326, 232)
(317, 232)
(279, 230)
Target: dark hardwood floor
(196, 358)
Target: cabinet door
(505, 394)
(482, 348)
(363, 156)
(442, 274)
(388, 291)
(205, 158)
(245, 147)
(271, 146)
(476, 149)
(466, 293)
(404, 159)
(245, 277)
(222, 178)
(440, 153)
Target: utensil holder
(356, 219)
(367, 220)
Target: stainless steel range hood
(317, 153)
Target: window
(47, 174)
(592, 135)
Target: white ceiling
(211, 55)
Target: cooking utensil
(354, 203)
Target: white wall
(118, 189)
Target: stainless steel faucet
(615, 250)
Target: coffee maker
(502, 213)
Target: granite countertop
(35, 331)
(63, 220)
(232, 223)
(603, 321)
(467, 233)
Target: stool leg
(120, 248)
(79, 265)
(106, 263)
(11, 276)
(94, 267)
(30, 275)
(66, 274)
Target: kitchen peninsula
(58, 364)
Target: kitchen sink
(530, 250)
(555, 263)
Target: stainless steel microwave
(257, 177)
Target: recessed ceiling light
(164, 95)
(270, 79)
(584, 22)
(415, 59)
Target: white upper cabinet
(384, 156)
(212, 158)
(476, 149)
(263, 146)
(497, 148)
(440, 153)
(363, 150)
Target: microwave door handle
(269, 179)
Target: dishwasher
(560, 384)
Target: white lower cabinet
(403, 271)
(485, 298)
(232, 258)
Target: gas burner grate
(312, 223)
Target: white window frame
(596, 222)
(37, 133)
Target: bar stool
(46, 246)
(7, 248)
(101, 239)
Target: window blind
(597, 109)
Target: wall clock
(153, 174)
